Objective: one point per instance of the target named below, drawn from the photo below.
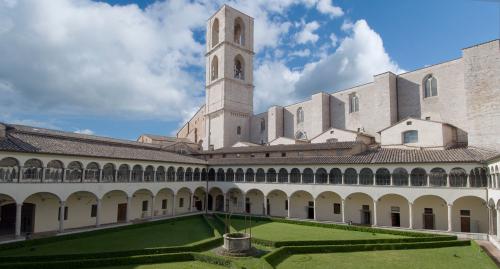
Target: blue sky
(122, 68)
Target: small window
(164, 204)
(353, 103)
(408, 123)
(262, 125)
(395, 209)
(93, 211)
(267, 155)
(365, 207)
(239, 71)
(238, 130)
(427, 210)
(427, 118)
(300, 115)
(410, 137)
(311, 204)
(430, 86)
(336, 208)
(144, 206)
(283, 154)
(181, 202)
(252, 155)
(465, 213)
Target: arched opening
(353, 103)
(469, 215)
(32, 170)
(170, 174)
(383, 177)
(295, 176)
(215, 199)
(189, 174)
(123, 173)
(199, 199)
(196, 174)
(351, 176)
(183, 201)
(359, 208)
(277, 203)
(8, 210)
(82, 210)
(215, 32)
(271, 175)
(254, 203)
(108, 172)
(393, 211)
(9, 170)
(164, 202)
(149, 173)
(458, 177)
(114, 207)
(400, 177)
(235, 201)
(211, 174)
(438, 177)
(430, 212)
(329, 207)
(321, 176)
(240, 175)
(239, 31)
(430, 86)
(418, 177)
(40, 213)
(260, 176)
(302, 205)
(141, 204)
(204, 174)
(180, 174)
(137, 173)
(92, 172)
(366, 176)
(478, 177)
(74, 173)
(308, 176)
(214, 71)
(161, 175)
(220, 175)
(54, 171)
(230, 175)
(239, 67)
(249, 175)
(335, 176)
(283, 176)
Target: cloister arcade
(69, 194)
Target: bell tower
(229, 78)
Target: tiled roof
(27, 139)
(294, 147)
(380, 156)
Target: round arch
(430, 212)
(328, 206)
(255, 202)
(301, 205)
(393, 211)
(359, 208)
(469, 214)
(277, 203)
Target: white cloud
(334, 39)
(307, 34)
(84, 131)
(346, 26)
(300, 53)
(327, 7)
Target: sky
(121, 68)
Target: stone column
(468, 181)
(392, 181)
(374, 213)
(289, 212)
(301, 178)
(98, 213)
(191, 203)
(343, 178)
(43, 174)
(63, 175)
(83, 174)
(19, 208)
(62, 205)
(100, 176)
(265, 205)
(173, 204)
(449, 217)
(130, 175)
(116, 176)
(498, 223)
(152, 206)
(342, 208)
(224, 203)
(244, 202)
(410, 213)
(129, 208)
(427, 178)
(314, 208)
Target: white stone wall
(430, 134)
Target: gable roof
(413, 118)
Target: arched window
(335, 176)
(149, 174)
(437, 177)
(33, 169)
(92, 172)
(351, 176)
(123, 173)
(180, 174)
(300, 135)
(171, 174)
(271, 175)
(383, 177)
(8, 169)
(137, 173)
(230, 175)
(240, 175)
(238, 130)
(220, 175)
(410, 137)
(215, 32)
(418, 177)
(353, 103)
(196, 174)
(283, 176)
(400, 177)
(295, 176)
(308, 176)
(366, 176)
(321, 176)
(214, 69)
(239, 32)
(458, 177)
(189, 174)
(54, 171)
(478, 178)
(239, 68)
(211, 175)
(260, 176)
(249, 175)
(74, 173)
(161, 176)
(204, 175)
(300, 115)
(108, 172)
(430, 86)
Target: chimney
(3, 132)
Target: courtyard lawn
(173, 265)
(175, 233)
(278, 231)
(442, 258)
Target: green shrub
(212, 260)
(363, 241)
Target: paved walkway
(491, 250)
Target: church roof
(292, 147)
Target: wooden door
(122, 213)
(465, 224)
(429, 221)
(395, 219)
(366, 217)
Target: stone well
(237, 242)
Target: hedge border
(40, 241)
(279, 255)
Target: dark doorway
(247, 205)
(395, 217)
(268, 208)
(122, 213)
(310, 210)
(28, 218)
(465, 221)
(210, 203)
(366, 216)
(8, 219)
(219, 203)
(198, 205)
(428, 219)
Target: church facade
(418, 150)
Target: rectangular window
(336, 208)
(144, 206)
(366, 207)
(395, 209)
(465, 213)
(267, 155)
(93, 211)
(427, 210)
(311, 204)
(65, 213)
(286, 204)
(410, 137)
(181, 202)
(283, 154)
(164, 204)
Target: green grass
(176, 233)
(442, 258)
(278, 231)
(172, 265)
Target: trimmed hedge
(40, 241)
(200, 246)
(215, 225)
(282, 253)
(212, 260)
